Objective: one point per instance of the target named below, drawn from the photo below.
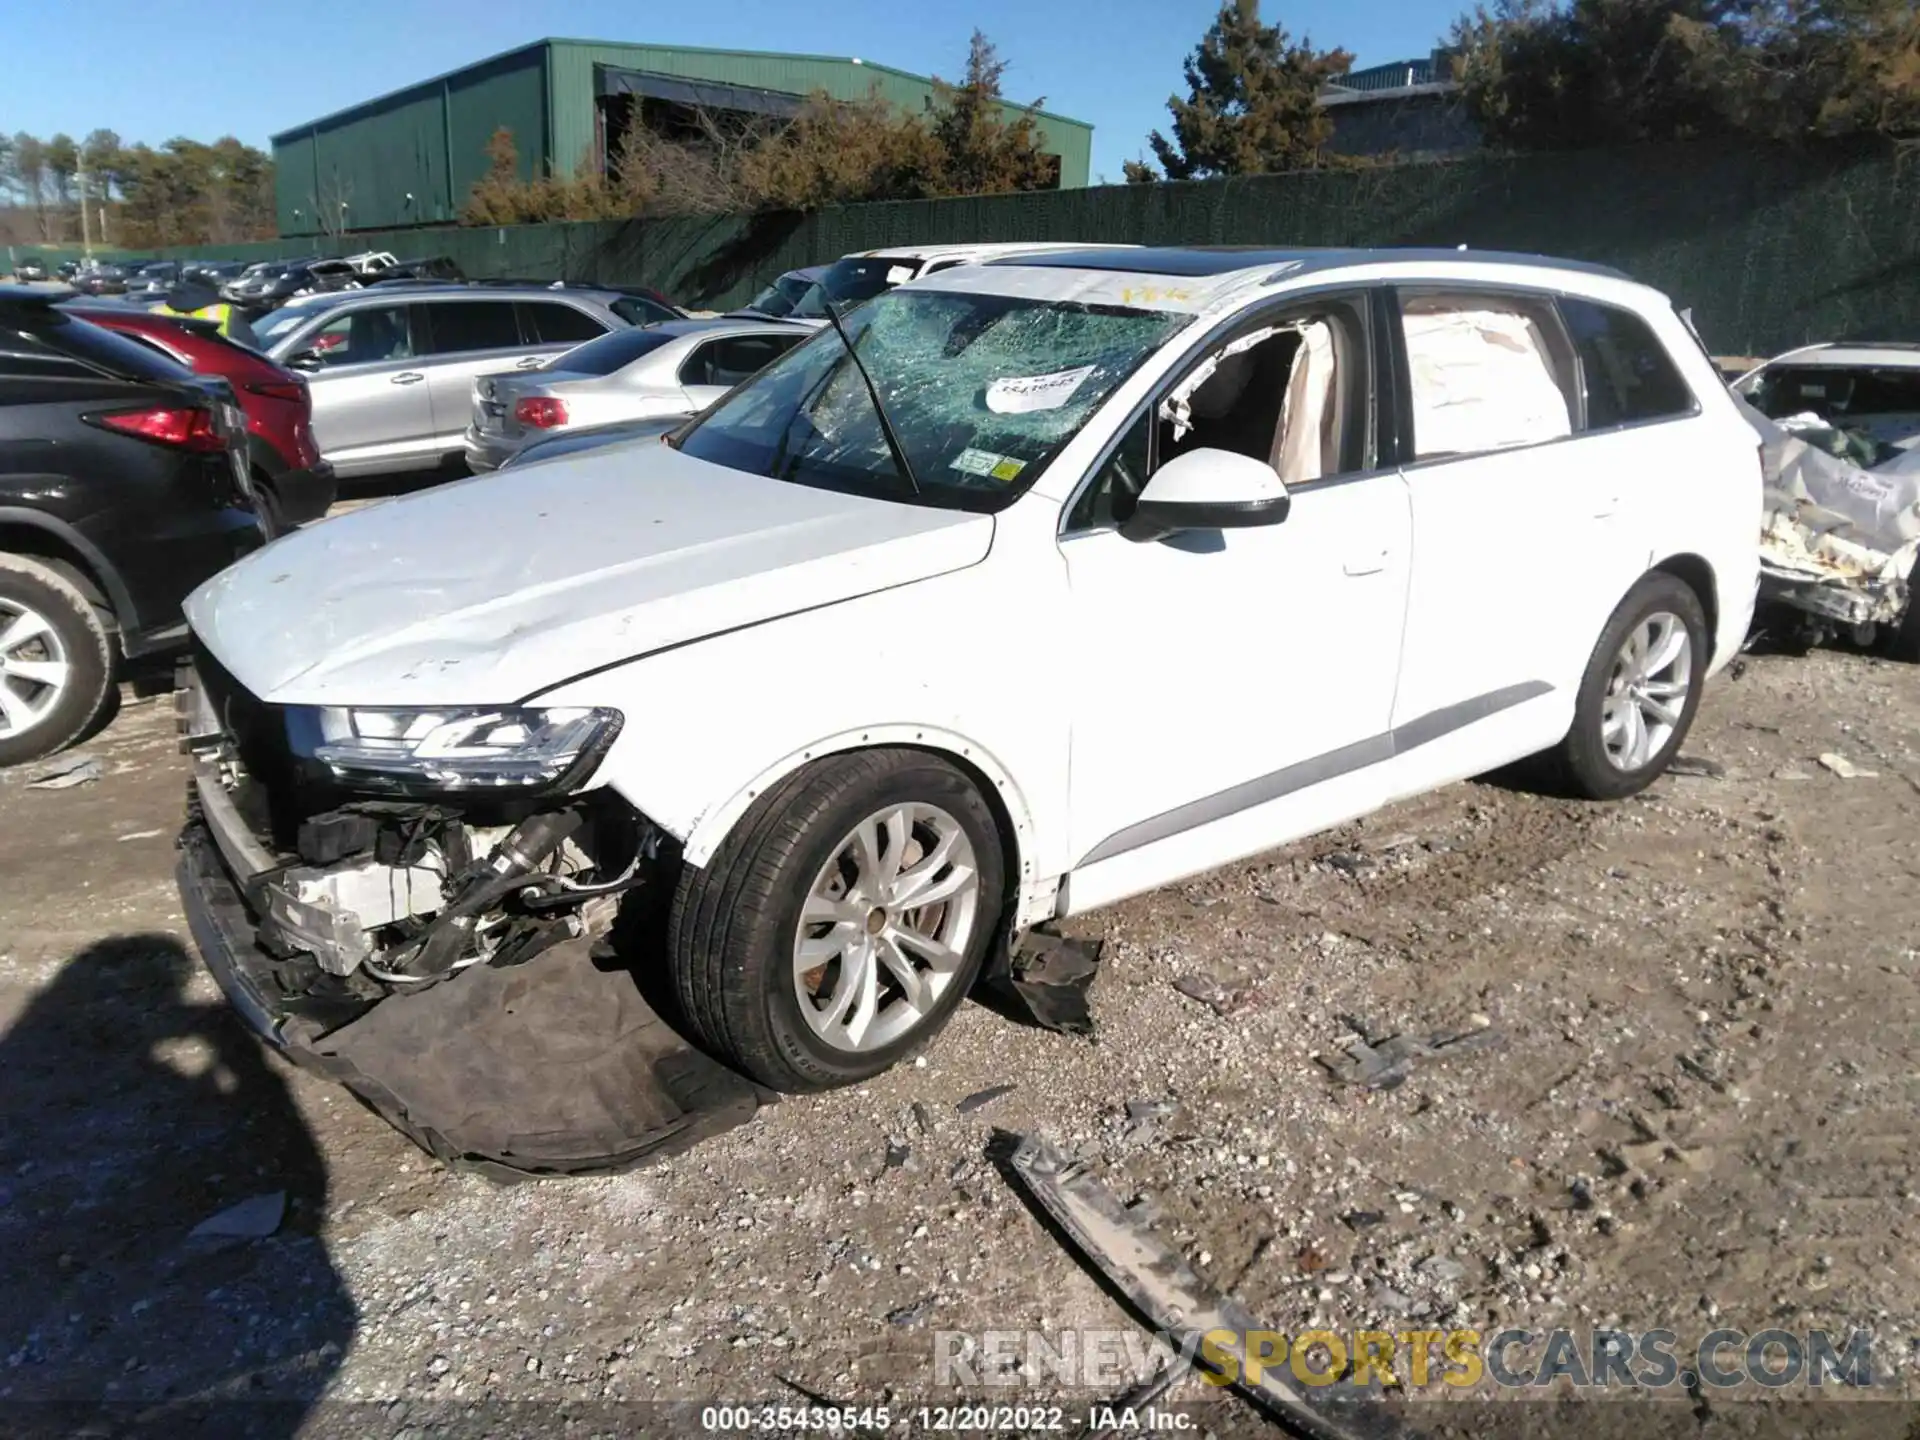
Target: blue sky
(152, 69)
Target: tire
(734, 934)
(38, 717)
(1585, 762)
(272, 518)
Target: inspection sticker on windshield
(987, 463)
(1022, 394)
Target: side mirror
(1207, 490)
(304, 360)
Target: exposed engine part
(330, 912)
(508, 869)
(391, 898)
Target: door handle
(408, 377)
(532, 362)
(1366, 564)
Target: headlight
(505, 749)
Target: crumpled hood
(491, 590)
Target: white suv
(1158, 559)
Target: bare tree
(333, 206)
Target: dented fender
(712, 827)
(708, 727)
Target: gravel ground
(1694, 1107)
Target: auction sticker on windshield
(988, 463)
(1023, 394)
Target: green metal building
(411, 157)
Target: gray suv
(391, 370)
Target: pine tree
(986, 155)
(1252, 104)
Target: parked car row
(125, 482)
(391, 369)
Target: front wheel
(56, 664)
(1640, 691)
(840, 925)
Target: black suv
(123, 486)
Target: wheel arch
(52, 541)
(996, 785)
(262, 457)
(1697, 575)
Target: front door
(1233, 689)
(371, 410)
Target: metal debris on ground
(1170, 1296)
(1697, 765)
(1211, 993)
(980, 1099)
(1383, 1063)
(1050, 974)
(1144, 1119)
(1845, 768)
(253, 1219)
(911, 1314)
(66, 773)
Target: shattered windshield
(982, 391)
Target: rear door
(468, 337)
(371, 411)
(1523, 538)
(716, 366)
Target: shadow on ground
(130, 1114)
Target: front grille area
(279, 788)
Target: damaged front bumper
(1821, 569)
(527, 1049)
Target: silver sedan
(671, 369)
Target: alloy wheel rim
(885, 927)
(1646, 691)
(34, 668)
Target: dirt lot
(1697, 1111)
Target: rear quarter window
(1627, 374)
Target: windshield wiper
(873, 393)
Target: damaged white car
(1099, 569)
(1841, 538)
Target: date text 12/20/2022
(918, 1419)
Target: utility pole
(86, 225)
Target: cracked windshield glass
(982, 391)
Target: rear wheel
(56, 664)
(840, 925)
(266, 505)
(1638, 696)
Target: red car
(294, 484)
